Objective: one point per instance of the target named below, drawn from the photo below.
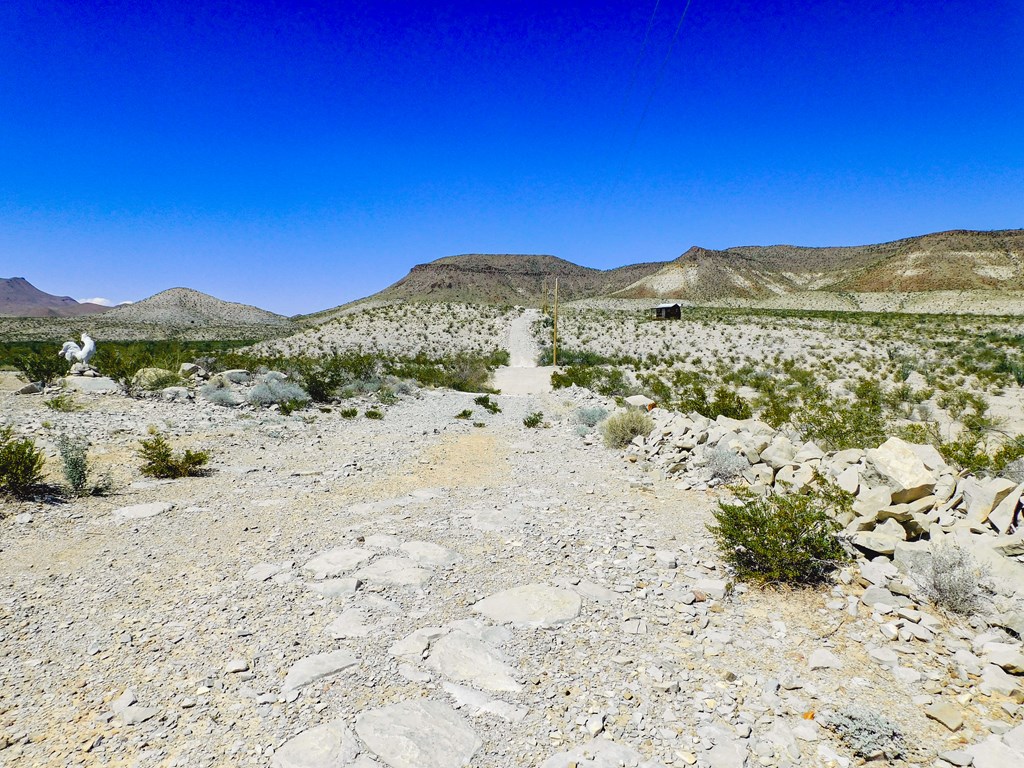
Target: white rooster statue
(79, 354)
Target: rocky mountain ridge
(19, 298)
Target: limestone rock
(140, 511)
(462, 658)
(984, 495)
(537, 605)
(904, 473)
(317, 666)
(429, 554)
(418, 734)
(779, 453)
(336, 561)
(394, 571)
(331, 745)
(946, 713)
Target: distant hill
(509, 279)
(19, 298)
(958, 260)
(184, 308)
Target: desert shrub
(533, 420)
(219, 392)
(728, 403)
(954, 582)
(159, 460)
(726, 465)
(41, 366)
(162, 381)
(275, 390)
(349, 413)
(464, 414)
(783, 538)
(620, 428)
(122, 363)
(485, 402)
(479, 424)
(866, 733)
(373, 413)
(386, 396)
(64, 402)
(74, 461)
(463, 372)
(21, 464)
(590, 417)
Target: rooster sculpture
(79, 354)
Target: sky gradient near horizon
(296, 156)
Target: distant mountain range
(974, 264)
(19, 298)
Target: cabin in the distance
(667, 312)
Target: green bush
(21, 464)
(41, 366)
(64, 402)
(728, 403)
(783, 538)
(74, 461)
(159, 460)
(373, 413)
(620, 428)
(485, 402)
(464, 414)
(349, 413)
(276, 390)
(533, 420)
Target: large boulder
(902, 470)
(985, 494)
(780, 453)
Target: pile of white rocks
(908, 501)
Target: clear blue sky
(299, 155)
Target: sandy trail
(523, 376)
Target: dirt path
(523, 376)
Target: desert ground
(428, 591)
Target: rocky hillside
(957, 260)
(185, 307)
(510, 279)
(19, 298)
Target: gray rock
(348, 624)
(315, 667)
(335, 587)
(394, 571)
(32, 388)
(993, 753)
(462, 658)
(336, 561)
(264, 571)
(331, 745)
(537, 605)
(596, 753)
(98, 385)
(135, 714)
(822, 658)
(429, 554)
(418, 734)
(779, 453)
(140, 511)
(477, 703)
(414, 646)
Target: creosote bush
(786, 538)
(620, 428)
(63, 401)
(159, 460)
(485, 402)
(42, 367)
(533, 420)
(21, 464)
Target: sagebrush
(620, 428)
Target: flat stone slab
(334, 587)
(430, 554)
(418, 734)
(336, 561)
(348, 624)
(535, 605)
(140, 511)
(476, 703)
(265, 571)
(317, 667)
(463, 658)
(597, 753)
(394, 571)
(331, 745)
(94, 384)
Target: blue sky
(299, 155)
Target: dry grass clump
(620, 428)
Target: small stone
(823, 658)
(237, 665)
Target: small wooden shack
(668, 312)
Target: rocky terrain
(19, 298)
(419, 591)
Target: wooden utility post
(554, 335)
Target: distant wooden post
(554, 336)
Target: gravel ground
(96, 604)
